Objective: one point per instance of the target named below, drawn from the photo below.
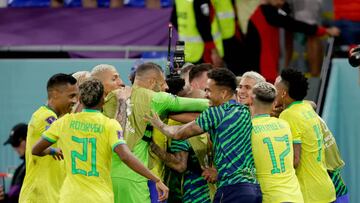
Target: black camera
(354, 57)
(179, 56)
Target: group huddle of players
(243, 140)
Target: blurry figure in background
(80, 76)
(244, 10)
(44, 175)
(17, 139)
(94, 3)
(231, 34)
(307, 11)
(248, 81)
(347, 18)
(262, 38)
(198, 27)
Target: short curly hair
(91, 92)
(296, 83)
(264, 92)
(176, 85)
(223, 77)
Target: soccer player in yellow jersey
(44, 175)
(272, 149)
(87, 140)
(315, 183)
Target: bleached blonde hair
(254, 75)
(81, 76)
(99, 69)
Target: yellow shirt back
(272, 148)
(315, 183)
(44, 175)
(87, 140)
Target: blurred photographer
(17, 139)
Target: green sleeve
(165, 102)
(110, 105)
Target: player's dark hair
(223, 77)
(197, 70)
(296, 83)
(175, 84)
(91, 92)
(60, 79)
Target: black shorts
(238, 193)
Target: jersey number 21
(83, 157)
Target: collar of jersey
(46, 106)
(261, 115)
(231, 101)
(295, 102)
(91, 110)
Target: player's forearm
(184, 117)
(42, 148)
(297, 154)
(189, 104)
(169, 131)
(40, 152)
(169, 159)
(131, 161)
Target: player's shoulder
(110, 122)
(288, 113)
(282, 122)
(44, 114)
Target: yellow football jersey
(315, 183)
(44, 175)
(87, 140)
(271, 143)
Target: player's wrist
(156, 179)
(52, 151)
(162, 125)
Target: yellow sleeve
(294, 127)
(52, 134)
(115, 134)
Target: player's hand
(57, 154)
(123, 93)
(154, 119)
(216, 59)
(210, 174)
(163, 191)
(333, 31)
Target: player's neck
(51, 106)
(260, 110)
(288, 102)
